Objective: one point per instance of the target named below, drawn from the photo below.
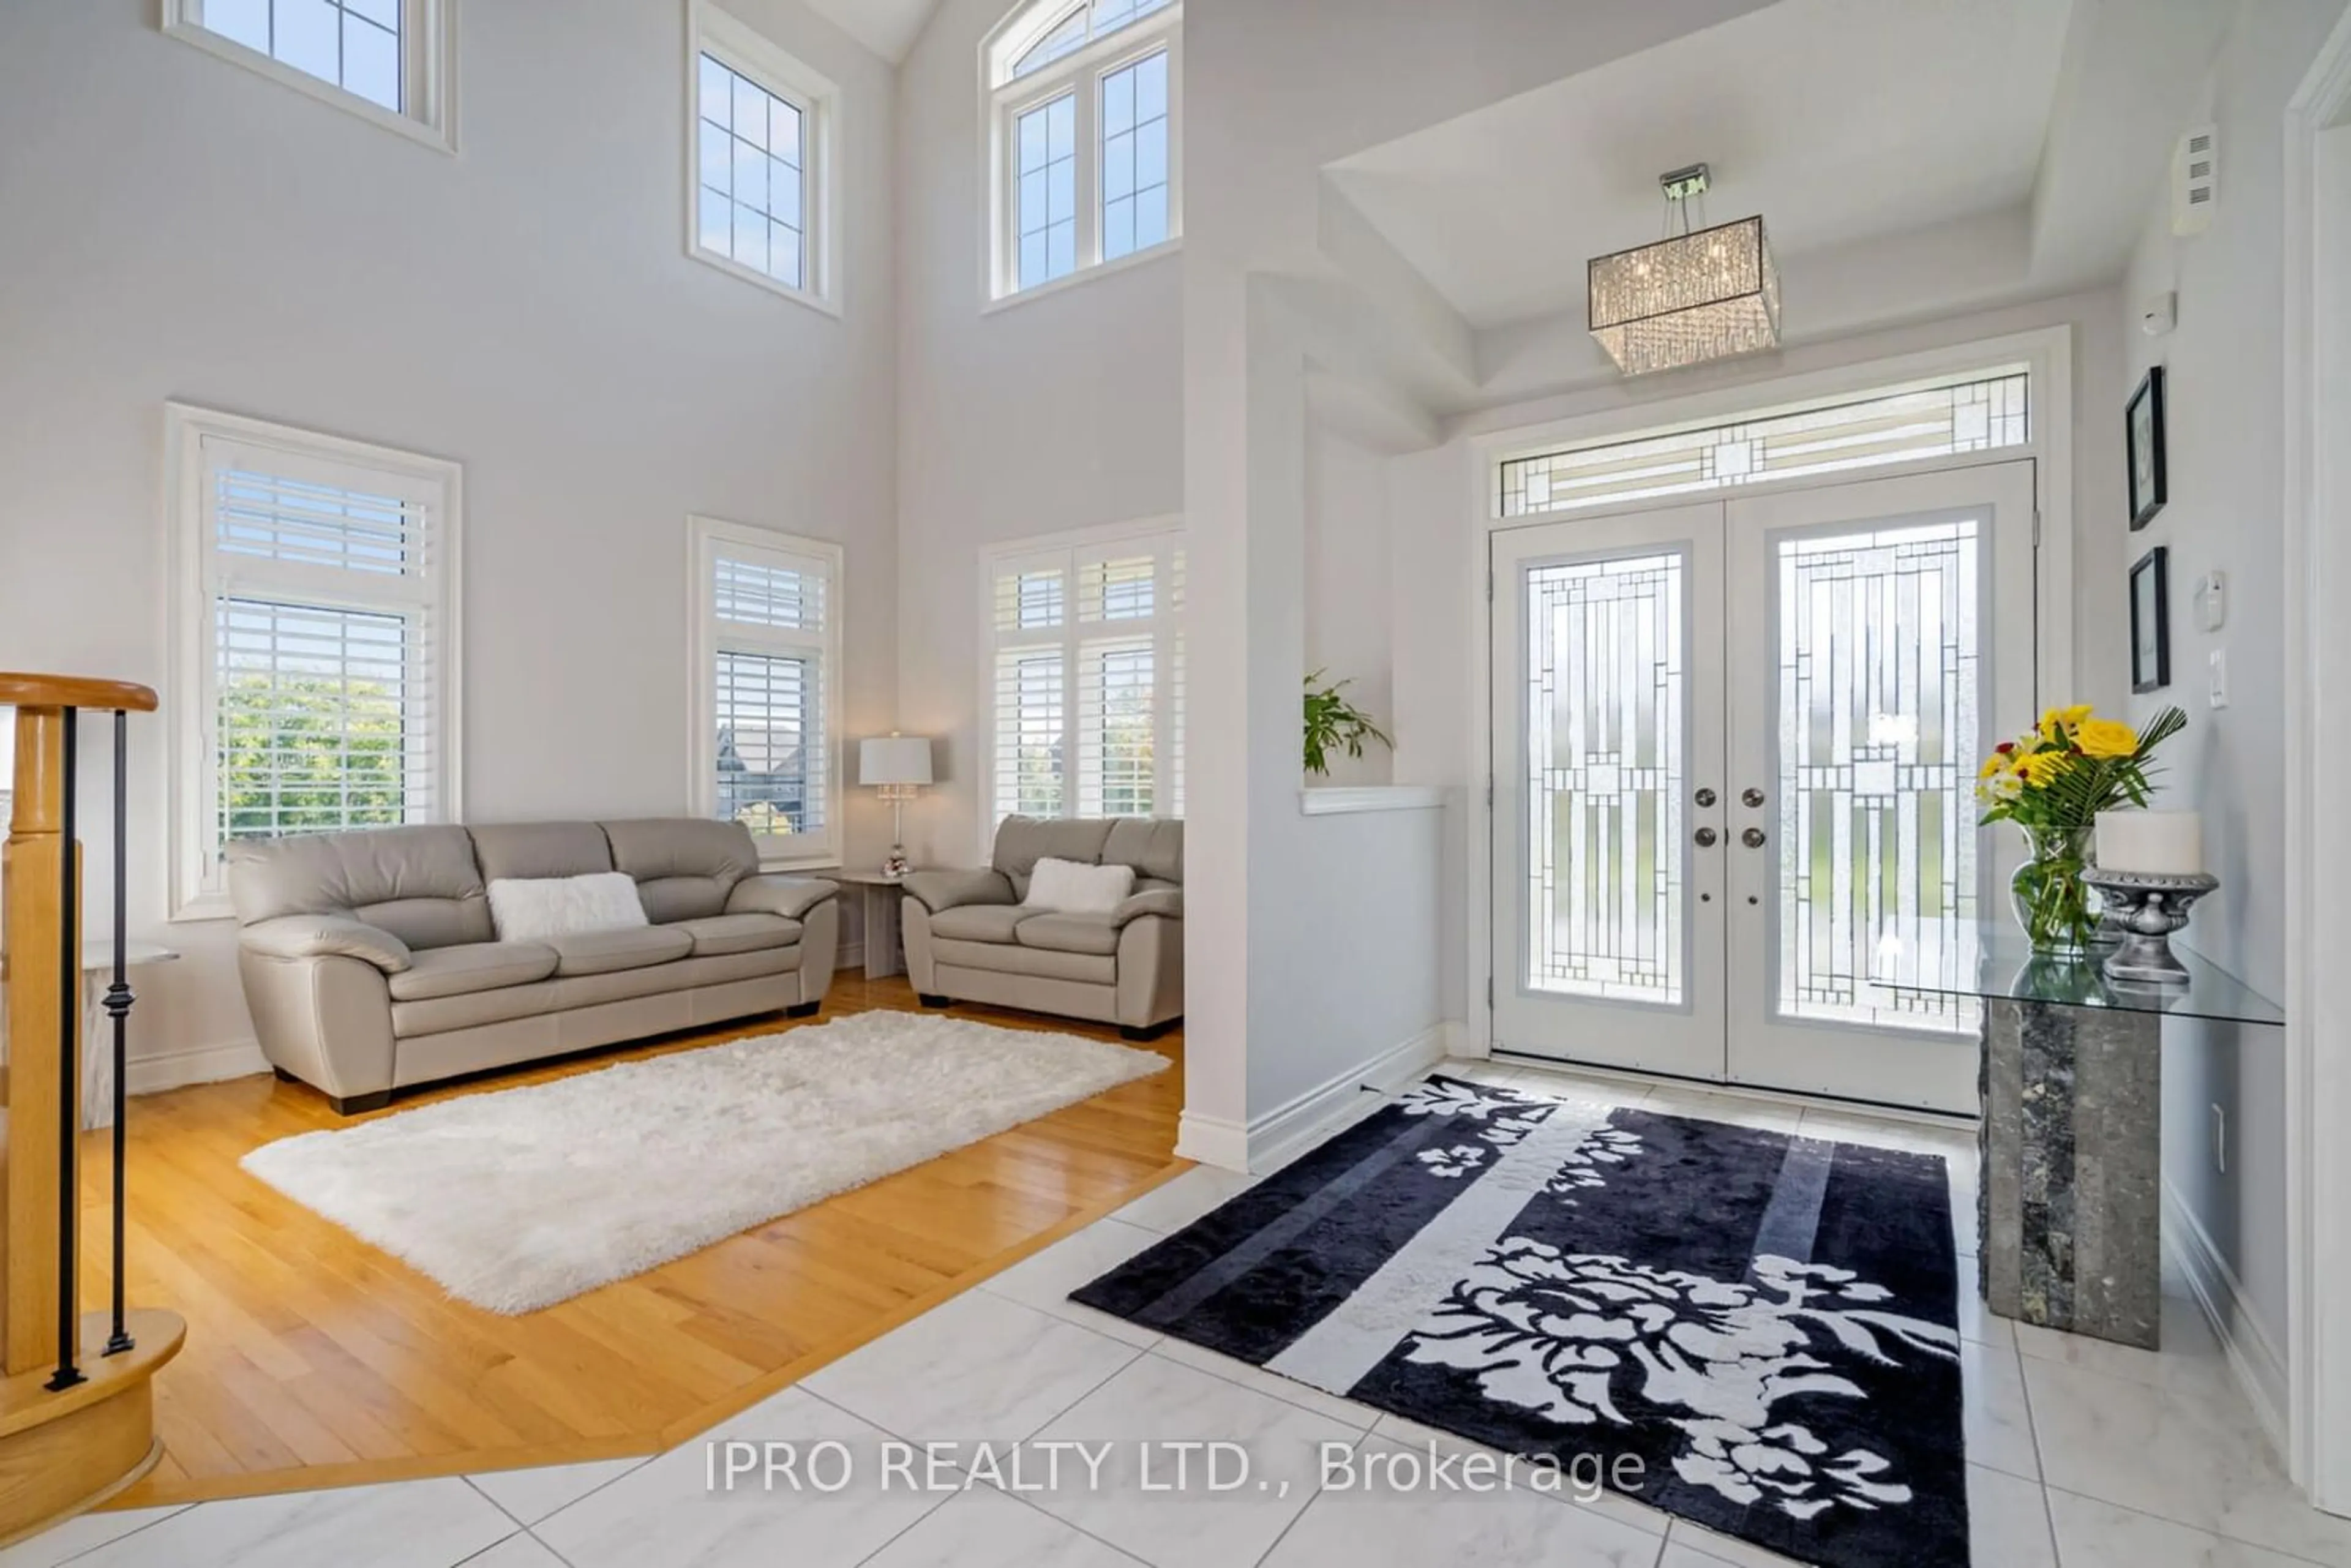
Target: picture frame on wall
(2143, 442)
(2150, 622)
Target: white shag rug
(519, 1198)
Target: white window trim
(710, 31)
(195, 894)
(429, 63)
(1073, 542)
(793, 851)
(1080, 74)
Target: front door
(1735, 750)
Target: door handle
(1753, 837)
(1750, 796)
(1707, 838)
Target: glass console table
(2069, 1192)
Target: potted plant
(1335, 724)
(2052, 781)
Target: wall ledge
(1330, 800)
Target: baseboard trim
(1289, 1130)
(2254, 1357)
(194, 1065)
(1212, 1141)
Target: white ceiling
(1841, 120)
(888, 27)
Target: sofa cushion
(1073, 887)
(1070, 932)
(600, 952)
(685, 866)
(1153, 846)
(471, 966)
(1012, 958)
(534, 908)
(979, 922)
(739, 933)
(1022, 842)
(439, 1015)
(420, 884)
(536, 851)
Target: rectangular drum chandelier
(1694, 296)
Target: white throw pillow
(1073, 887)
(530, 909)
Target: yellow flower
(2041, 767)
(2059, 722)
(1999, 762)
(2107, 738)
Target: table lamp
(896, 766)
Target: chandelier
(1694, 296)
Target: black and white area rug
(1767, 1322)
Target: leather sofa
(371, 963)
(969, 937)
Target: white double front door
(1735, 747)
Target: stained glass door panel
(1608, 726)
(1882, 633)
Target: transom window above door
(1085, 162)
(1975, 411)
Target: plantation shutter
(1085, 685)
(325, 701)
(772, 637)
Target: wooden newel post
(77, 1409)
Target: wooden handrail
(76, 1416)
(20, 690)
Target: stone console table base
(2070, 1194)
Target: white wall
(2224, 390)
(1351, 613)
(173, 226)
(1055, 412)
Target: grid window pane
(353, 44)
(1134, 156)
(1046, 195)
(1079, 29)
(749, 150)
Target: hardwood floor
(314, 1359)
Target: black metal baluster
(69, 1068)
(118, 1004)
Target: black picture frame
(2150, 620)
(2143, 449)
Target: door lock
(1750, 796)
(1706, 798)
(1753, 837)
(1707, 838)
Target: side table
(2072, 1124)
(878, 897)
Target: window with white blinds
(315, 637)
(1084, 679)
(766, 671)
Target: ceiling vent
(2195, 180)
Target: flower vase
(2052, 903)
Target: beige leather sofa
(371, 963)
(969, 937)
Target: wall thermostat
(2212, 600)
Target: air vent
(2195, 180)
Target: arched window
(1084, 98)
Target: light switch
(2217, 690)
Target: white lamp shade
(895, 759)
